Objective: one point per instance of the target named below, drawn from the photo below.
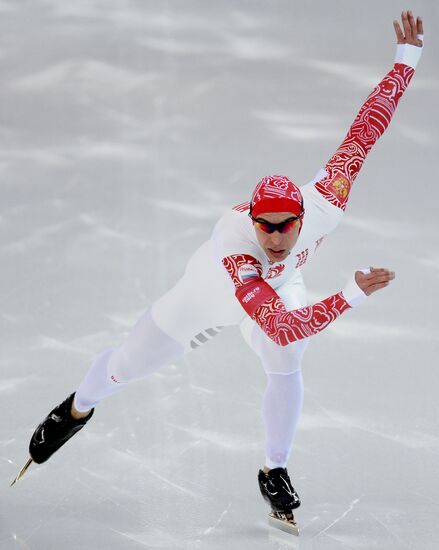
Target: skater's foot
(277, 490)
(55, 430)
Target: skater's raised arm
(265, 306)
(374, 115)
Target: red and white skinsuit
(230, 281)
(205, 296)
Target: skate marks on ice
(292, 527)
(341, 517)
(211, 529)
(133, 461)
(336, 420)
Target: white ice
(126, 129)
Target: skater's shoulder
(236, 219)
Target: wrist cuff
(352, 293)
(407, 54)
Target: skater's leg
(96, 385)
(184, 318)
(146, 350)
(282, 405)
(281, 409)
(283, 397)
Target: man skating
(248, 273)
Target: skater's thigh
(146, 349)
(279, 359)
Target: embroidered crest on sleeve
(335, 189)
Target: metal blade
(289, 526)
(22, 471)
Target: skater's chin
(277, 255)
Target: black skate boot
(276, 488)
(55, 430)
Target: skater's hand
(410, 29)
(379, 277)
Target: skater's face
(277, 245)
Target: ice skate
(55, 430)
(277, 490)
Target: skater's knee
(284, 360)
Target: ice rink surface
(127, 128)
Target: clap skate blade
(22, 471)
(284, 521)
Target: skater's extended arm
(374, 115)
(264, 305)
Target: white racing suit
(212, 291)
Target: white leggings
(148, 348)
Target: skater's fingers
(419, 32)
(383, 278)
(377, 272)
(386, 273)
(376, 275)
(373, 288)
(412, 24)
(398, 32)
(419, 26)
(374, 280)
(406, 25)
(366, 286)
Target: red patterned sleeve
(370, 123)
(264, 305)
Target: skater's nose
(276, 238)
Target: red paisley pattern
(233, 263)
(285, 327)
(282, 326)
(370, 123)
(275, 271)
(302, 258)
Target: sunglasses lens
(283, 227)
(289, 226)
(265, 227)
